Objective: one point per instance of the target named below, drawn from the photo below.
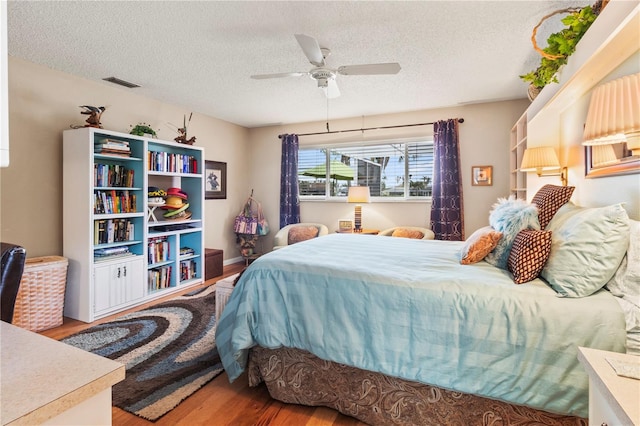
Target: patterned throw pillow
(407, 233)
(302, 233)
(479, 244)
(549, 199)
(529, 254)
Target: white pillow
(587, 247)
(625, 283)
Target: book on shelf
(112, 147)
(159, 249)
(111, 253)
(107, 231)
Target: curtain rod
(460, 120)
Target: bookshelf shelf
(107, 230)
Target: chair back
(13, 259)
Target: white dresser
(613, 400)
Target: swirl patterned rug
(169, 351)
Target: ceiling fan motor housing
(322, 76)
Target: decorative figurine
(94, 114)
(182, 138)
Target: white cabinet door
(101, 288)
(132, 280)
(116, 284)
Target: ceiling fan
(325, 76)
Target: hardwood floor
(221, 402)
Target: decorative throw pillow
(479, 244)
(529, 254)
(407, 233)
(549, 199)
(302, 233)
(587, 247)
(625, 283)
(510, 216)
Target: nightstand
(363, 232)
(613, 399)
(224, 287)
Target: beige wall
(43, 103)
(484, 140)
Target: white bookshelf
(100, 286)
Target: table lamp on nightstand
(358, 194)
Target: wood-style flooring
(221, 402)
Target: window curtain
(447, 216)
(289, 201)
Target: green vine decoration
(560, 46)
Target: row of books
(187, 251)
(187, 270)
(107, 231)
(173, 163)
(109, 202)
(113, 175)
(111, 253)
(159, 249)
(112, 147)
(159, 278)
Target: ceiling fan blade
(280, 75)
(311, 49)
(370, 69)
(331, 89)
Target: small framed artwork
(215, 173)
(482, 175)
(345, 225)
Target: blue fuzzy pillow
(510, 216)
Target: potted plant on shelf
(560, 45)
(142, 129)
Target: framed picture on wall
(482, 175)
(215, 173)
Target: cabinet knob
(118, 272)
(604, 424)
(125, 271)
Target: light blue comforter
(407, 308)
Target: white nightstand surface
(621, 394)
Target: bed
(397, 331)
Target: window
(390, 170)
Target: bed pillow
(549, 199)
(529, 253)
(479, 244)
(625, 283)
(407, 233)
(302, 233)
(587, 246)
(510, 216)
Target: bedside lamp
(358, 194)
(544, 161)
(614, 114)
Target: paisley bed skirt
(298, 377)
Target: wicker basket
(40, 302)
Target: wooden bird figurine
(94, 114)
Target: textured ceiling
(201, 54)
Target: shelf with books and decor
(177, 169)
(120, 255)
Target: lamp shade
(358, 194)
(539, 158)
(603, 155)
(614, 114)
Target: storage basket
(40, 302)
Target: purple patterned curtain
(289, 201)
(447, 218)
